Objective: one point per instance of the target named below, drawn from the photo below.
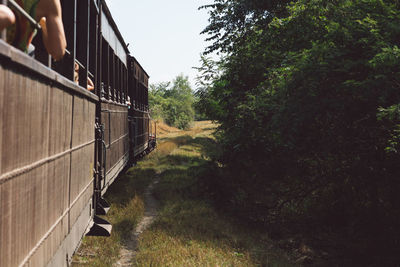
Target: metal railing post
(3, 33)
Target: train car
(62, 145)
(113, 109)
(139, 117)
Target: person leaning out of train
(47, 13)
(128, 102)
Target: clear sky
(164, 36)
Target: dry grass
(163, 130)
(127, 207)
(188, 230)
(104, 251)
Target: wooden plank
(5, 224)
(83, 121)
(81, 176)
(82, 159)
(45, 252)
(26, 194)
(2, 89)
(57, 188)
(25, 108)
(60, 121)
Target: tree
(308, 103)
(173, 102)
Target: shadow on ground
(188, 222)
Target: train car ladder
(100, 226)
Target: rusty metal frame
(19, 9)
(3, 34)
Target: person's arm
(90, 85)
(53, 28)
(7, 17)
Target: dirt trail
(129, 248)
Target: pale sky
(164, 36)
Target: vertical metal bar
(99, 81)
(118, 80)
(82, 40)
(86, 63)
(96, 73)
(73, 52)
(113, 65)
(3, 34)
(126, 84)
(108, 64)
(101, 155)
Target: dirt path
(129, 248)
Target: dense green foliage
(308, 99)
(173, 103)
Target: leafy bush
(308, 103)
(173, 103)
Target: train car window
(135, 84)
(142, 98)
(118, 79)
(81, 51)
(93, 46)
(40, 53)
(66, 66)
(125, 84)
(112, 75)
(105, 81)
(146, 97)
(122, 84)
(137, 97)
(82, 40)
(138, 94)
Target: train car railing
(81, 43)
(3, 33)
(25, 14)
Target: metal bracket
(102, 206)
(100, 227)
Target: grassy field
(188, 231)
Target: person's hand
(42, 23)
(7, 17)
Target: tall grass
(127, 207)
(188, 231)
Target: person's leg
(7, 17)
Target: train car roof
(132, 57)
(107, 12)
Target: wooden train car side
(46, 169)
(139, 116)
(61, 145)
(113, 108)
